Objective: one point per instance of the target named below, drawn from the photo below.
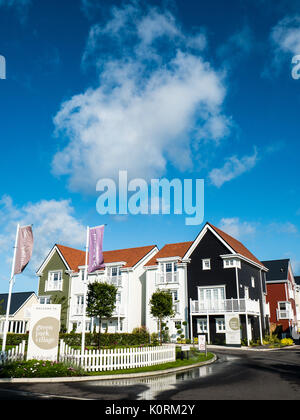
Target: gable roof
(171, 250)
(181, 249)
(297, 280)
(236, 245)
(17, 300)
(278, 269)
(76, 258)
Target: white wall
(181, 287)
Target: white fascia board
(242, 257)
(50, 255)
(200, 236)
(166, 259)
(153, 251)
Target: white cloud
(286, 227)
(285, 41)
(148, 109)
(53, 222)
(232, 168)
(286, 35)
(236, 228)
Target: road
(237, 375)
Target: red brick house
(281, 289)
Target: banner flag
(96, 260)
(24, 249)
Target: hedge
(91, 339)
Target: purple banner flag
(96, 260)
(24, 249)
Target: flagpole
(85, 292)
(11, 283)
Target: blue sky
(175, 89)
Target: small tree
(101, 302)
(161, 307)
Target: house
(19, 314)
(210, 277)
(297, 298)
(281, 290)
(62, 275)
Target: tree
(101, 302)
(161, 307)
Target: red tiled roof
(236, 245)
(76, 258)
(180, 249)
(171, 250)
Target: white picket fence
(115, 359)
(12, 355)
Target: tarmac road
(237, 375)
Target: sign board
(233, 330)
(202, 342)
(44, 332)
(185, 347)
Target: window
(232, 262)
(45, 300)
(82, 273)
(174, 295)
(206, 264)
(252, 281)
(220, 325)
(211, 297)
(177, 324)
(54, 281)
(246, 292)
(168, 273)
(201, 325)
(169, 267)
(118, 298)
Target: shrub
(39, 369)
(108, 340)
(286, 342)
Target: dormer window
(231, 262)
(206, 264)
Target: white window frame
(50, 282)
(220, 325)
(47, 299)
(201, 325)
(231, 263)
(252, 281)
(204, 262)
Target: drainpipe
(237, 284)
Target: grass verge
(38, 369)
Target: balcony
(286, 314)
(166, 278)
(119, 310)
(115, 280)
(227, 305)
(53, 286)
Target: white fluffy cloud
(232, 168)
(53, 222)
(153, 102)
(236, 228)
(285, 41)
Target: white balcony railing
(51, 286)
(119, 310)
(226, 305)
(166, 278)
(115, 280)
(287, 314)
